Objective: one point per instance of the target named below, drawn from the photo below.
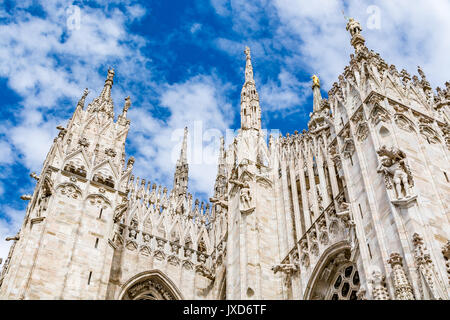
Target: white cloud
(10, 223)
(285, 93)
(45, 62)
(221, 6)
(311, 35)
(198, 103)
(6, 154)
(195, 27)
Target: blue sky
(182, 63)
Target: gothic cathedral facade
(355, 207)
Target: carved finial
(248, 66)
(106, 92)
(395, 259)
(126, 106)
(403, 289)
(421, 73)
(110, 74)
(83, 98)
(247, 52)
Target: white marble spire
(250, 109)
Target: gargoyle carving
(288, 268)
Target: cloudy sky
(182, 63)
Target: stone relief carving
(70, 191)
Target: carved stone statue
(394, 165)
(246, 204)
(346, 217)
(354, 27)
(316, 81)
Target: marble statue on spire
(354, 27)
(317, 97)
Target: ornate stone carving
(83, 142)
(425, 265)
(348, 148)
(354, 27)
(361, 294)
(397, 173)
(202, 270)
(429, 134)
(305, 260)
(378, 114)
(246, 203)
(346, 217)
(362, 132)
(120, 210)
(403, 289)
(149, 285)
(110, 152)
(70, 191)
(404, 123)
(379, 291)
